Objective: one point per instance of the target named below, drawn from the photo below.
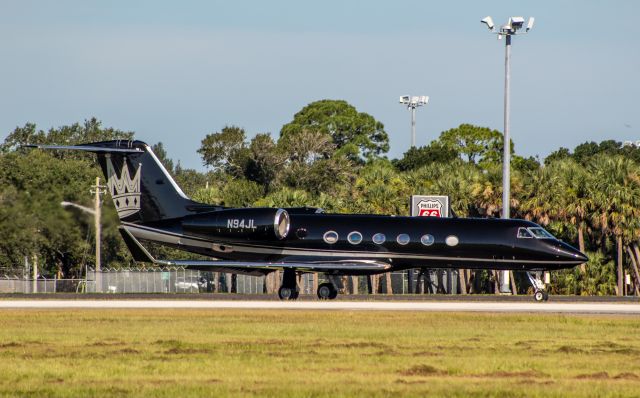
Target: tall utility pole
(412, 102)
(97, 191)
(510, 29)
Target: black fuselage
(472, 243)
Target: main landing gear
(539, 293)
(289, 289)
(327, 291)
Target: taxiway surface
(434, 306)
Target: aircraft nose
(570, 254)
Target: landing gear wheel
(326, 291)
(539, 294)
(287, 293)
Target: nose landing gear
(539, 294)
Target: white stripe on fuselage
(159, 235)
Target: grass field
(315, 354)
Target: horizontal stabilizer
(86, 148)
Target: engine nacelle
(251, 223)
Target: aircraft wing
(259, 268)
(263, 267)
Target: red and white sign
(429, 208)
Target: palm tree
(559, 194)
(616, 193)
(379, 189)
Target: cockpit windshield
(540, 233)
(534, 232)
(524, 233)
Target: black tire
(325, 291)
(546, 295)
(295, 295)
(334, 293)
(285, 293)
(539, 295)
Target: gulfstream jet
(257, 241)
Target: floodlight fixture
(489, 22)
(516, 23)
(530, 23)
(513, 25)
(412, 102)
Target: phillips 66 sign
(429, 206)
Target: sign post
(429, 206)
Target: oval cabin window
(330, 237)
(354, 237)
(403, 239)
(379, 238)
(452, 240)
(427, 240)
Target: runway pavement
(434, 306)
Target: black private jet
(257, 241)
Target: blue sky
(175, 71)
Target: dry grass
(315, 354)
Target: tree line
(332, 156)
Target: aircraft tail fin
(141, 188)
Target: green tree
(560, 154)
(459, 180)
(617, 200)
(379, 189)
(90, 131)
(436, 152)
(357, 135)
(583, 153)
(313, 164)
(241, 193)
(477, 144)
(225, 150)
(265, 162)
(34, 183)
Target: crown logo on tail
(124, 190)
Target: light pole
(510, 29)
(412, 102)
(97, 216)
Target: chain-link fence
(181, 280)
(144, 280)
(14, 284)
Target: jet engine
(250, 223)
